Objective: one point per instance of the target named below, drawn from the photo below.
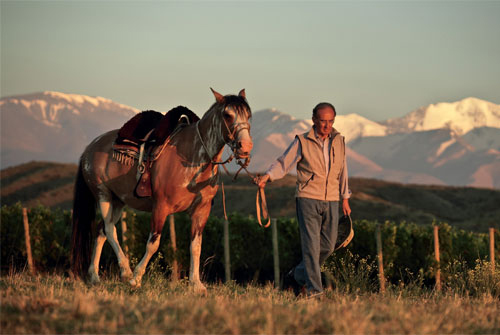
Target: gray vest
(312, 181)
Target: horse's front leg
(198, 221)
(160, 213)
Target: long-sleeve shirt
(293, 154)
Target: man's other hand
(345, 207)
(261, 181)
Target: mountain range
(53, 126)
(454, 143)
(418, 148)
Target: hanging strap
(141, 167)
(224, 201)
(262, 203)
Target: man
(322, 181)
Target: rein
(158, 152)
(260, 201)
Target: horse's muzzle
(243, 149)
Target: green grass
(48, 304)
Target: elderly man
(322, 181)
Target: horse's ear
(242, 94)
(218, 97)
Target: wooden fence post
(492, 249)
(173, 241)
(31, 267)
(227, 260)
(276, 256)
(378, 239)
(124, 233)
(436, 255)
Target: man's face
(323, 121)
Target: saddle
(139, 137)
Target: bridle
(260, 201)
(233, 135)
(231, 142)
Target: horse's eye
(228, 116)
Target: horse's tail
(84, 211)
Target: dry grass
(53, 304)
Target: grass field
(54, 304)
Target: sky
(379, 59)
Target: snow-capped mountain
(461, 117)
(271, 121)
(440, 153)
(53, 109)
(353, 126)
(55, 126)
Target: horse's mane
(238, 103)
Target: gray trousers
(318, 223)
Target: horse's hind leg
(112, 213)
(96, 255)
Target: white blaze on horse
(183, 177)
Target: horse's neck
(211, 133)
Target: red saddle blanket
(159, 127)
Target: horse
(184, 177)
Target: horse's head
(235, 114)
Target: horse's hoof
(126, 276)
(94, 279)
(134, 283)
(200, 289)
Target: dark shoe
(327, 281)
(290, 282)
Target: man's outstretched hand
(261, 181)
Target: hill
(33, 183)
(51, 184)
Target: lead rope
(260, 201)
